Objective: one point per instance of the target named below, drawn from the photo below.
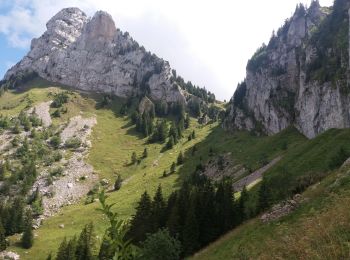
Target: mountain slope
(317, 229)
(300, 78)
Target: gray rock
(8, 255)
(278, 94)
(92, 54)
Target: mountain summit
(92, 54)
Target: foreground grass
(318, 229)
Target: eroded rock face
(92, 54)
(278, 90)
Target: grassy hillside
(318, 229)
(324, 215)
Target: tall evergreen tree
(242, 205)
(180, 158)
(86, 243)
(158, 210)
(62, 250)
(264, 196)
(191, 229)
(3, 242)
(28, 237)
(187, 121)
(141, 222)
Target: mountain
(300, 78)
(92, 54)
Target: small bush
(58, 171)
(73, 143)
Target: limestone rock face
(292, 81)
(92, 54)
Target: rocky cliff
(92, 54)
(300, 78)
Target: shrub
(55, 141)
(73, 143)
(161, 245)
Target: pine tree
(191, 230)
(241, 204)
(62, 250)
(86, 243)
(173, 168)
(180, 159)
(118, 183)
(173, 132)
(141, 223)
(145, 153)
(49, 257)
(264, 196)
(170, 143)
(158, 210)
(193, 134)
(133, 158)
(71, 249)
(28, 237)
(3, 242)
(187, 122)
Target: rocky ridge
(92, 54)
(300, 78)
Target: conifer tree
(170, 143)
(62, 250)
(3, 242)
(191, 230)
(145, 153)
(264, 196)
(141, 223)
(118, 183)
(28, 237)
(173, 168)
(187, 122)
(173, 132)
(241, 204)
(193, 134)
(158, 210)
(133, 158)
(180, 159)
(86, 243)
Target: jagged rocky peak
(92, 54)
(100, 28)
(300, 77)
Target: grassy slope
(319, 229)
(113, 142)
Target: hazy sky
(207, 42)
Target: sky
(207, 42)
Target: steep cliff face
(300, 77)
(92, 54)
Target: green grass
(318, 229)
(113, 141)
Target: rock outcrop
(92, 54)
(300, 78)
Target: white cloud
(208, 42)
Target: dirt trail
(238, 186)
